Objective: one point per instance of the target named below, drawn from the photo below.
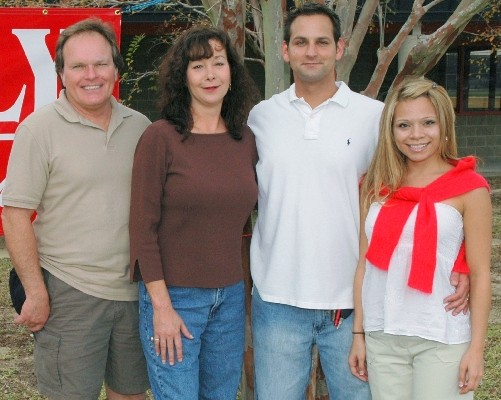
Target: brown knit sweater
(189, 203)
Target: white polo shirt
(304, 248)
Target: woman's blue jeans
(212, 360)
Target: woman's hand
(167, 329)
(167, 324)
(356, 359)
(471, 370)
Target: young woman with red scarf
(425, 212)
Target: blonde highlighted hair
(388, 166)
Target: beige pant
(411, 368)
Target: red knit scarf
(395, 213)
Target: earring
(229, 89)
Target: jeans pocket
(46, 355)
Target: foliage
(488, 32)
(131, 75)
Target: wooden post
(247, 381)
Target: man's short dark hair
(312, 9)
(88, 25)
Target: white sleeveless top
(390, 305)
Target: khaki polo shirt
(77, 177)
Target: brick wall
(481, 136)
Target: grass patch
(16, 349)
(490, 388)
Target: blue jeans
(283, 338)
(212, 360)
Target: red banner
(27, 76)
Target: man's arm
(22, 246)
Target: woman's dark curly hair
(175, 98)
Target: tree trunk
(353, 38)
(386, 55)
(273, 16)
(431, 48)
(229, 15)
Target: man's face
(312, 52)
(89, 74)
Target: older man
(71, 163)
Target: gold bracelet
(358, 333)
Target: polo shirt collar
(341, 96)
(66, 110)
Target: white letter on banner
(42, 65)
(33, 42)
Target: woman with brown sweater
(193, 188)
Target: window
(473, 80)
(451, 77)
